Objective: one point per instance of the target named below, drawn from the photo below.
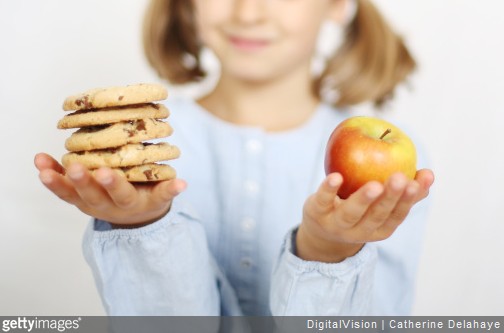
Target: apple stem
(388, 131)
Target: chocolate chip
(148, 174)
(120, 98)
(140, 126)
(84, 101)
(131, 133)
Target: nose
(250, 11)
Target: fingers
(392, 208)
(52, 176)
(104, 193)
(372, 213)
(425, 179)
(356, 206)
(164, 192)
(44, 161)
(381, 209)
(90, 191)
(60, 186)
(324, 199)
(401, 210)
(122, 193)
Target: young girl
(259, 230)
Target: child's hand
(334, 229)
(106, 195)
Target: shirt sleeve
(309, 288)
(164, 268)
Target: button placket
(246, 223)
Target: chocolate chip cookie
(115, 96)
(118, 134)
(112, 115)
(124, 156)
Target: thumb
(323, 199)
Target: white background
(52, 48)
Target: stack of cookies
(114, 124)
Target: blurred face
(259, 40)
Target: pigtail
(372, 61)
(170, 41)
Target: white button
(246, 262)
(251, 187)
(248, 224)
(254, 146)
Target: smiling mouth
(248, 44)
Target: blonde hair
(369, 65)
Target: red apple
(363, 149)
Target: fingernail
(105, 180)
(46, 179)
(411, 189)
(180, 189)
(333, 182)
(398, 183)
(374, 193)
(75, 174)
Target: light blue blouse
(225, 248)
